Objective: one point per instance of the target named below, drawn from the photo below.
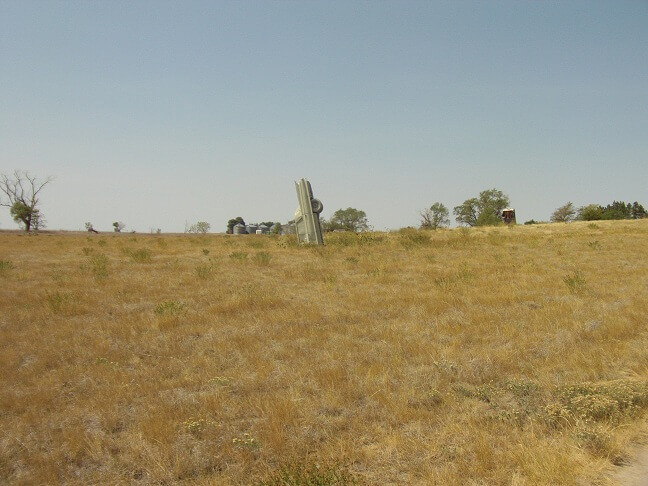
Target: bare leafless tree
(19, 192)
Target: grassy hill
(508, 355)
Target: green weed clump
(99, 266)
(262, 258)
(5, 266)
(575, 282)
(142, 255)
(205, 271)
(239, 256)
(169, 308)
(58, 301)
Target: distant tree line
(616, 210)
(484, 210)
(20, 193)
(595, 212)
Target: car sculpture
(307, 222)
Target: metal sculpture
(508, 215)
(307, 222)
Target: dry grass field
(507, 355)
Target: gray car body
(307, 222)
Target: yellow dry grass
(467, 356)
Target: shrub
(99, 265)
(599, 401)
(142, 255)
(411, 238)
(5, 266)
(169, 308)
(575, 282)
(57, 301)
(239, 256)
(205, 271)
(262, 258)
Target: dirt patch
(636, 473)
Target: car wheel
(317, 205)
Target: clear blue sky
(156, 113)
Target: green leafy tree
(436, 216)
(118, 226)
(468, 212)
(19, 193)
(617, 210)
(638, 211)
(233, 222)
(276, 229)
(349, 219)
(26, 217)
(564, 214)
(488, 218)
(591, 212)
(201, 227)
(484, 210)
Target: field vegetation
(492, 355)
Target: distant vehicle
(307, 222)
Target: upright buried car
(307, 223)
